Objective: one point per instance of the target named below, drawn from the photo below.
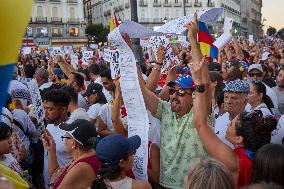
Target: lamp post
(136, 48)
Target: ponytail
(99, 183)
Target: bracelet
(156, 69)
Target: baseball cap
(184, 81)
(214, 67)
(93, 88)
(237, 86)
(83, 131)
(255, 66)
(115, 147)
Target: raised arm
(213, 145)
(237, 46)
(150, 99)
(155, 74)
(65, 67)
(115, 117)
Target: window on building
(177, 13)
(166, 1)
(157, 16)
(41, 32)
(55, 12)
(196, 1)
(176, 1)
(142, 13)
(167, 13)
(39, 11)
(72, 12)
(56, 32)
(155, 1)
(73, 31)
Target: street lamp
(165, 20)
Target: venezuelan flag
(206, 41)
(14, 16)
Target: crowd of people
(214, 123)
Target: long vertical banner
(137, 117)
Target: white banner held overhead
(74, 61)
(36, 100)
(26, 50)
(137, 116)
(86, 56)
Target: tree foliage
(99, 31)
(271, 31)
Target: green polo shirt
(180, 145)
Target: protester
(79, 139)
(42, 76)
(116, 155)
(247, 131)
(279, 90)
(268, 165)
(210, 174)
(56, 104)
(258, 99)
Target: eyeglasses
(65, 137)
(179, 92)
(255, 74)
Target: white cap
(265, 56)
(255, 66)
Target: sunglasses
(255, 74)
(180, 92)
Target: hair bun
(270, 123)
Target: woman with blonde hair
(209, 174)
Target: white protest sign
(68, 49)
(86, 56)
(26, 50)
(94, 46)
(170, 58)
(56, 51)
(137, 116)
(36, 100)
(112, 57)
(228, 24)
(224, 39)
(251, 40)
(74, 61)
(84, 49)
(177, 25)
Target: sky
(273, 12)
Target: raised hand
(161, 53)
(192, 27)
(197, 69)
(48, 141)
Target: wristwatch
(200, 88)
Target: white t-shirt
(82, 102)
(154, 129)
(94, 110)
(105, 115)
(264, 109)
(278, 134)
(45, 85)
(273, 96)
(62, 156)
(79, 113)
(221, 126)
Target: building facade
(56, 23)
(251, 18)
(154, 13)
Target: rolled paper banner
(14, 16)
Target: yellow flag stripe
(14, 17)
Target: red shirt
(245, 167)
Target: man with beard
(180, 143)
(108, 83)
(56, 103)
(279, 90)
(235, 100)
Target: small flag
(113, 22)
(206, 41)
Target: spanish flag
(112, 22)
(14, 17)
(206, 41)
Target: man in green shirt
(180, 143)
